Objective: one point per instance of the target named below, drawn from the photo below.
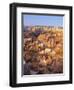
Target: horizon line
(42, 26)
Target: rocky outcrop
(43, 50)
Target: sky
(46, 20)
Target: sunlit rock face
(43, 50)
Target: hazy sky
(48, 20)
